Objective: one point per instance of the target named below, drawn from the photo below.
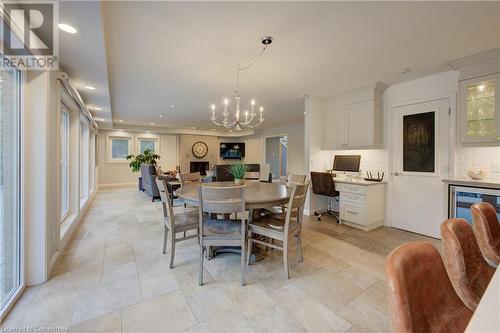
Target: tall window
(10, 222)
(84, 158)
(120, 148)
(146, 143)
(64, 147)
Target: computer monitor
(348, 163)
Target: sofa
(149, 176)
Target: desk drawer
(351, 197)
(352, 212)
(356, 189)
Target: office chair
(322, 184)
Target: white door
(421, 137)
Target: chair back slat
(187, 178)
(168, 212)
(221, 200)
(295, 207)
(295, 179)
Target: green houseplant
(238, 171)
(147, 157)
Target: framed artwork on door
(419, 142)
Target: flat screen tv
(232, 150)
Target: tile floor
(114, 278)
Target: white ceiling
(159, 54)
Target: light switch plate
(495, 167)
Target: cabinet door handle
(351, 212)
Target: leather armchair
(421, 296)
(487, 231)
(469, 273)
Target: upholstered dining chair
(421, 296)
(188, 178)
(175, 223)
(267, 229)
(223, 201)
(468, 271)
(295, 179)
(487, 231)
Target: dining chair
(214, 231)
(421, 296)
(252, 175)
(487, 231)
(175, 223)
(267, 229)
(469, 272)
(295, 179)
(188, 178)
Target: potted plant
(147, 157)
(238, 171)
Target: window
(10, 202)
(120, 148)
(84, 158)
(64, 164)
(146, 143)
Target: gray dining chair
(267, 229)
(175, 223)
(214, 231)
(188, 178)
(291, 179)
(252, 175)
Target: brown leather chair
(421, 296)
(487, 231)
(469, 273)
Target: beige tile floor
(114, 278)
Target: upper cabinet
(479, 105)
(353, 119)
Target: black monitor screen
(349, 163)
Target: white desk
(362, 203)
(486, 318)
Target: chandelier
(236, 120)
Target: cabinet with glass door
(479, 110)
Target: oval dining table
(257, 195)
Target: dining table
(258, 195)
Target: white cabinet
(478, 98)
(353, 120)
(362, 206)
(480, 109)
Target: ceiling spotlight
(404, 70)
(172, 106)
(67, 28)
(89, 87)
(160, 116)
(151, 123)
(266, 40)
(120, 121)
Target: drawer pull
(351, 212)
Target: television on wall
(232, 150)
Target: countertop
(356, 181)
(490, 183)
(486, 318)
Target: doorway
(276, 155)
(420, 161)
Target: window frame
(147, 138)
(109, 148)
(64, 215)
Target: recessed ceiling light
(151, 123)
(120, 121)
(67, 28)
(90, 87)
(172, 106)
(160, 116)
(404, 70)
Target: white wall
(116, 173)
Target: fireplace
(200, 167)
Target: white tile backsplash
(476, 158)
(374, 160)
